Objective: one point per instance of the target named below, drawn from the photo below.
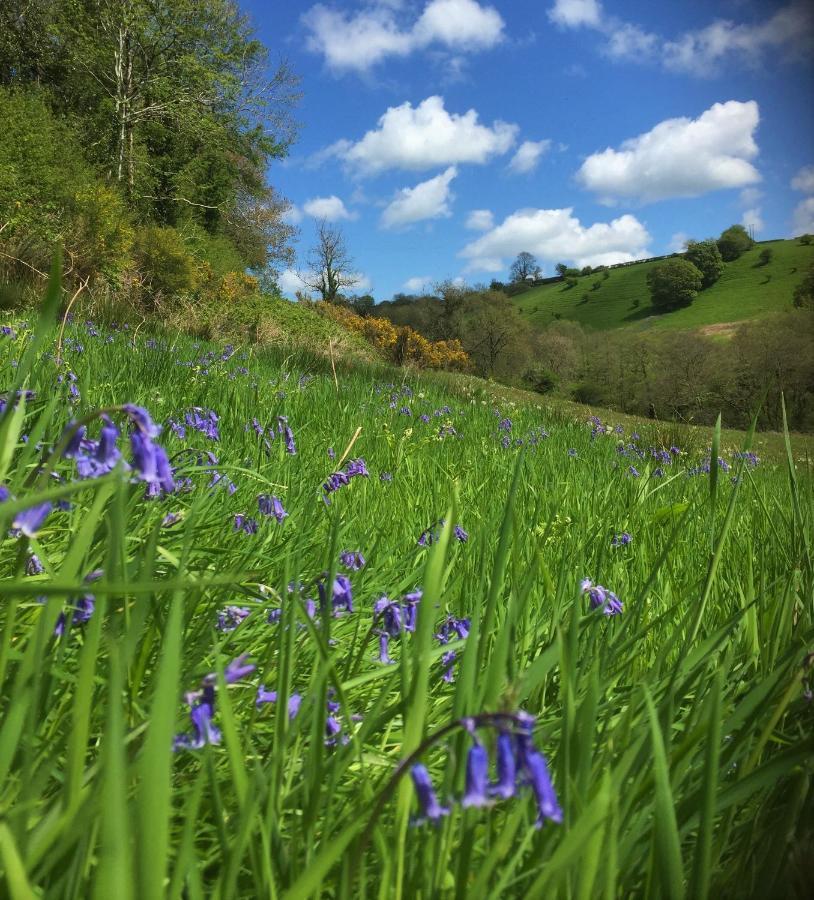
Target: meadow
(745, 290)
(271, 630)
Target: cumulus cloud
(680, 157)
(418, 284)
(576, 13)
(803, 181)
(556, 235)
(425, 137)
(753, 219)
(427, 200)
(803, 221)
(290, 282)
(480, 220)
(678, 242)
(528, 155)
(786, 34)
(293, 215)
(349, 41)
(330, 208)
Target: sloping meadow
(270, 633)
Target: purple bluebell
(238, 668)
(77, 435)
(230, 617)
(332, 729)
(461, 535)
(505, 786)
(271, 506)
(601, 597)
(264, 696)
(535, 769)
(384, 648)
(341, 594)
(572, 451)
(352, 560)
(448, 664)
(621, 540)
(245, 524)
(170, 519)
(141, 418)
(30, 520)
(34, 565)
(430, 810)
(477, 777)
(204, 731)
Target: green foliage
(168, 268)
(742, 292)
(804, 292)
(806, 239)
(706, 257)
(677, 734)
(765, 257)
(734, 242)
(674, 283)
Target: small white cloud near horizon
(556, 235)
(803, 181)
(424, 137)
(332, 209)
(528, 156)
(290, 282)
(357, 42)
(753, 219)
(803, 217)
(293, 215)
(417, 284)
(427, 200)
(679, 157)
(678, 242)
(480, 220)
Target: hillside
(744, 291)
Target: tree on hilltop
(673, 284)
(734, 242)
(524, 267)
(706, 257)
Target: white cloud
(362, 285)
(427, 200)
(425, 137)
(358, 41)
(528, 156)
(803, 181)
(786, 34)
(461, 24)
(293, 215)
(290, 282)
(803, 222)
(480, 220)
(576, 13)
(556, 235)
(678, 242)
(680, 157)
(418, 284)
(330, 208)
(753, 218)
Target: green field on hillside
(744, 291)
(267, 632)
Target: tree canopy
(674, 283)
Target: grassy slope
(93, 799)
(744, 291)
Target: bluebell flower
(621, 540)
(384, 648)
(271, 506)
(477, 777)
(238, 668)
(264, 696)
(601, 597)
(572, 451)
(535, 769)
(352, 559)
(505, 786)
(29, 521)
(245, 524)
(430, 810)
(230, 617)
(341, 595)
(461, 535)
(204, 731)
(34, 565)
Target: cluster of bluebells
(391, 618)
(430, 535)
(202, 707)
(451, 629)
(280, 428)
(271, 506)
(353, 468)
(601, 598)
(204, 421)
(621, 540)
(518, 764)
(352, 560)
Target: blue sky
(445, 136)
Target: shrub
(804, 292)
(806, 239)
(543, 381)
(765, 257)
(674, 283)
(734, 242)
(706, 257)
(167, 269)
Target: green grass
(677, 734)
(744, 291)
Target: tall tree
(524, 267)
(330, 266)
